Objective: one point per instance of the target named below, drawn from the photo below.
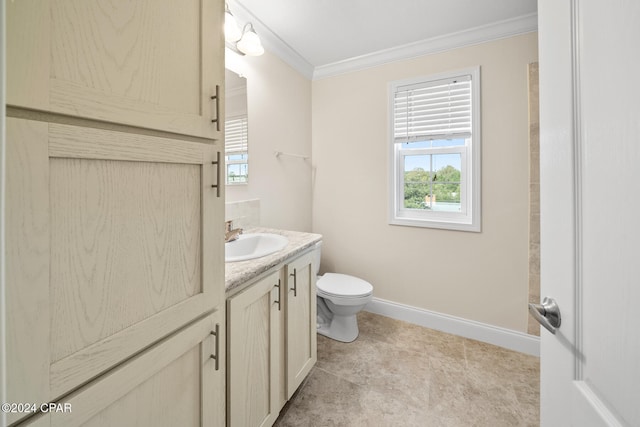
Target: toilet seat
(343, 286)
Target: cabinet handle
(216, 333)
(219, 166)
(216, 98)
(295, 283)
(278, 301)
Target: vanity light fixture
(250, 43)
(232, 32)
(245, 42)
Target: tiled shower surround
(534, 195)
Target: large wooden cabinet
(114, 231)
(271, 342)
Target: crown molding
(274, 44)
(502, 29)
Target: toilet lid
(343, 285)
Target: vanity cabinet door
(114, 241)
(253, 354)
(148, 63)
(301, 339)
(174, 383)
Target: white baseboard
(513, 340)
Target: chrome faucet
(231, 234)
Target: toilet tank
(316, 256)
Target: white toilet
(340, 297)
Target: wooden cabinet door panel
(41, 420)
(174, 383)
(253, 358)
(301, 340)
(171, 384)
(133, 244)
(113, 245)
(149, 63)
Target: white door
(590, 195)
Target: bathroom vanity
(271, 328)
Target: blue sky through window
(439, 160)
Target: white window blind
(235, 135)
(438, 109)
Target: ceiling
(326, 37)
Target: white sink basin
(253, 245)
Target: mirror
(236, 134)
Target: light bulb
(250, 43)
(232, 32)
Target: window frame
(245, 153)
(464, 182)
(470, 179)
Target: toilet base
(340, 328)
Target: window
(236, 149)
(435, 151)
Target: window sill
(444, 225)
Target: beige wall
(279, 110)
(477, 276)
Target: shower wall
(534, 195)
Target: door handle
(216, 98)
(278, 301)
(547, 313)
(295, 283)
(216, 357)
(218, 165)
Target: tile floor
(399, 374)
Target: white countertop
(237, 273)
